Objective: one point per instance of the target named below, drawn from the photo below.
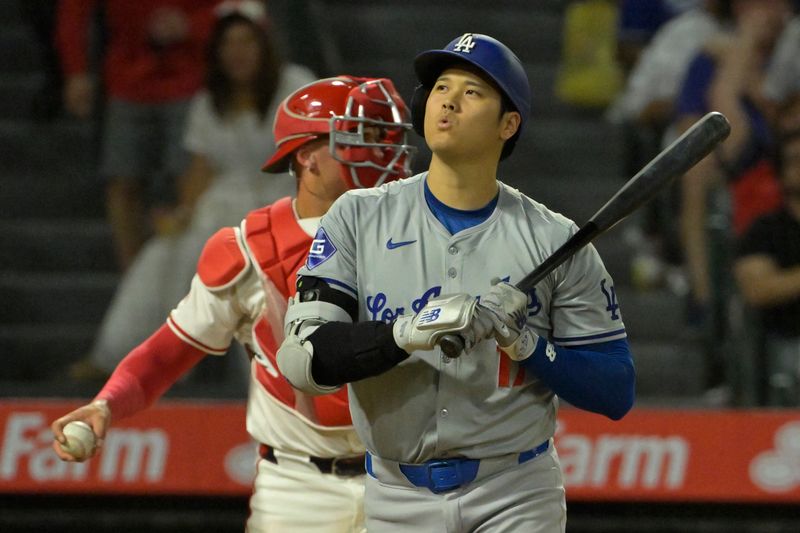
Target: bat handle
(451, 345)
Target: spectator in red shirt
(154, 61)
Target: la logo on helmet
(465, 44)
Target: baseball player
(465, 443)
(334, 134)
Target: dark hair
(506, 105)
(266, 82)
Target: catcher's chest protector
(277, 243)
(280, 246)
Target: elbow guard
(294, 361)
(324, 349)
(315, 304)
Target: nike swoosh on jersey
(392, 245)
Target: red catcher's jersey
(244, 278)
(279, 247)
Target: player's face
(240, 53)
(462, 116)
(328, 184)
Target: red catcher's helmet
(366, 121)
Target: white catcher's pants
(298, 498)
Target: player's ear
(509, 124)
(305, 157)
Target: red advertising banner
(201, 448)
(172, 448)
(681, 455)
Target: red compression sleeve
(147, 372)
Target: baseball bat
(687, 150)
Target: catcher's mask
(365, 120)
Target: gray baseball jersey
(387, 249)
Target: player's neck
(310, 203)
(469, 186)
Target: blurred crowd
(726, 237)
(183, 93)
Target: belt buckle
(347, 466)
(443, 476)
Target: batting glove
(456, 314)
(509, 306)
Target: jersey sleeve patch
(223, 260)
(322, 249)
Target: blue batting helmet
(491, 57)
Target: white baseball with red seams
(81, 440)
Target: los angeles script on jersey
(380, 308)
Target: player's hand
(510, 306)
(453, 314)
(97, 414)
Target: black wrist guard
(350, 352)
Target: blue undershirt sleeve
(595, 377)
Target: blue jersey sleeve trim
(596, 377)
(335, 282)
(583, 340)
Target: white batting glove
(442, 315)
(523, 347)
(509, 305)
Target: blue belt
(442, 475)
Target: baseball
(80, 440)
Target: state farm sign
(778, 470)
(202, 448)
(624, 461)
(177, 448)
(674, 455)
(129, 455)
